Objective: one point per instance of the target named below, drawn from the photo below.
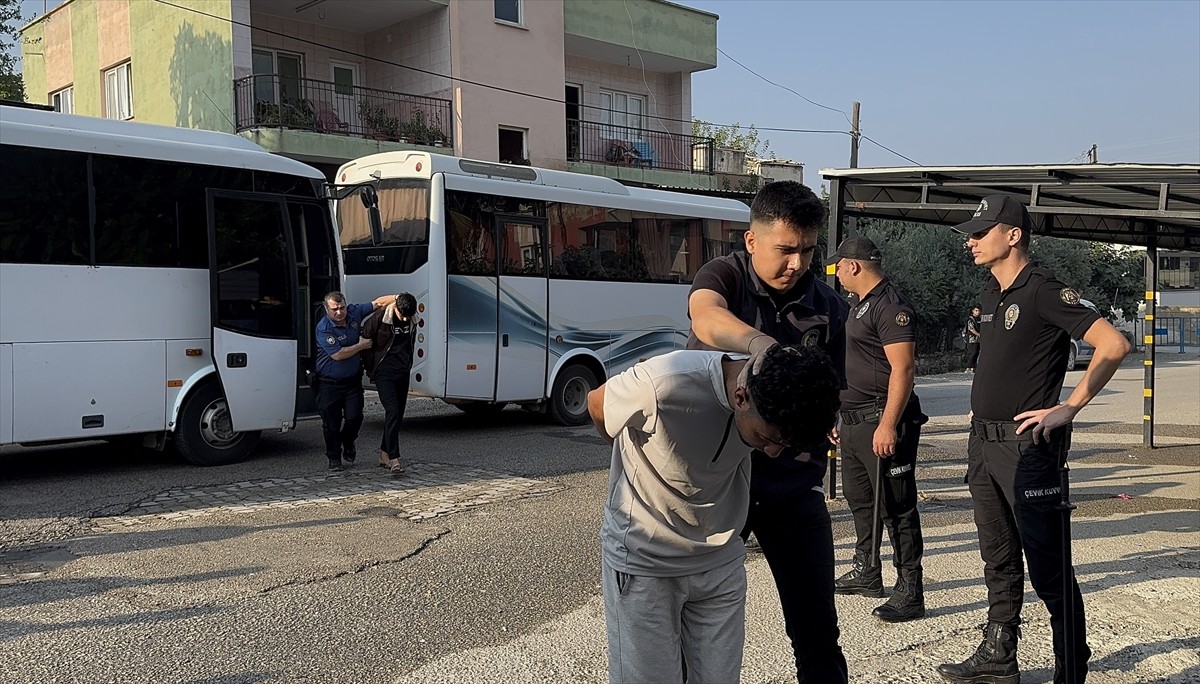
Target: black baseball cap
(857, 247)
(995, 209)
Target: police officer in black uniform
(1020, 434)
(879, 431)
(748, 302)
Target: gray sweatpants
(656, 623)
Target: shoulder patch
(811, 338)
(903, 319)
(1069, 296)
(330, 340)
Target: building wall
(528, 59)
(183, 63)
(317, 58)
(112, 18)
(422, 42)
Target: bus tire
(568, 398)
(203, 434)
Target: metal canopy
(1124, 204)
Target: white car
(1081, 352)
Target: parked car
(1081, 352)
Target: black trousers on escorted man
(340, 405)
(1015, 488)
(796, 536)
(898, 507)
(393, 394)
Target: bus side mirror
(370, 200)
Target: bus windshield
(404, 213)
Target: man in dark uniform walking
(879, 431)
(1020, 434)
(339, 374)
(971, 336)
(749, 302)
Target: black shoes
(349, 454)
(994, 662)
(335, 465)
(907, 601)
(861, 580)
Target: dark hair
(793, 203)
(1026, 237)
(406, 304)
(336, 297)
(797, 390)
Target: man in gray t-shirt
(673, 579)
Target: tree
(12, 87)
(732, 136)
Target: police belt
(870, 414)
(996, 431)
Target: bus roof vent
(492, 170)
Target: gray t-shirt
(679, 484)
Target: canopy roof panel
(1124, 204)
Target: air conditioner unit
(729, 160)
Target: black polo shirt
(810, 313)
(1024, 342)
(884, 316)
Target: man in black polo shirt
(880, 427)
(748, 302)
(1020, 434)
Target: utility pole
(1093, 155)
(855, 134)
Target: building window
(277, 76)
(625, 113)
(509, 11)
(64, 100)
(118, 92)
(512, 146)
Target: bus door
(252, 263)
(316, 274)
(522, 319)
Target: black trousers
(796, 536)
(1016, 489)
(393, 394)
(340, 405)
(972, 354)
(898, 507)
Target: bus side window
(44, 222)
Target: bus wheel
(568, 400)
(204, 431)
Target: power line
(777, 85)
(463, 81)
(817, 104)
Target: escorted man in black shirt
(971, 336)
(1020, 434)
(748, 302)
(880, 428)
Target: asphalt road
(129, 566)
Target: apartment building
(593, 87)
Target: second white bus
(533, 285)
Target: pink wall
(527, 59)
(113, 19)
(59, 53)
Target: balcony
(305, 104)
(601, 143)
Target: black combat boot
(861, 580)
(907, 601)
(994, 662)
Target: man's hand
(364, 343)
(884, 441)
(758, 348)
(1045, 420)
(835, 438)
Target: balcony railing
(276, 101)
(600, 143)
